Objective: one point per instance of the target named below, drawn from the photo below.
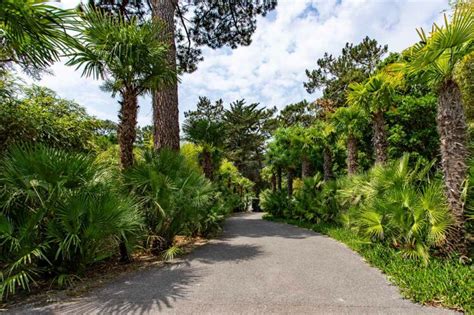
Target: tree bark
(207, 165)
(127, 127)
(352, 162)
(453, 135)
(165, 100)
(273, 182)
(278, 178)
(127, 133)
(380, 138)
(289, 184)
(306, 167)
(327, 164)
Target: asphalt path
(254, 267)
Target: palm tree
(209, 135)
(131, 58)
(436, 57)
(375, 96)
(322, 134)
(350, 121)
(33, 35)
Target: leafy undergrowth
(442, 282)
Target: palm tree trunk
(127, 131)
(380, 137)
(327, 164)
(165, 100)
(289, 183)
(352, 155)
(207, 165)
(306, 167)
(452, 131)
(278, 178)
(273, 182)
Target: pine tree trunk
(207, 165)
(327, 164)
(380, 138)
(352, 155)
(273, 182)
(289, 184)
(165, 100)
(278, 178)
(453, 135)
(306, 167)
(127, 127)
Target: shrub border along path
(442, 283)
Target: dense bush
(276, 203)
(40, 116)
(397, 204)
(237, 190)
(314, 200)
(59, 213)
(174, 197)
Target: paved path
(255, 267)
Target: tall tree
(285, 152)
(334, 74)
(323, 136)
(303, 113)
(191, 25)
(33, 35)
(349, 123)
(205, 127)
(437, 56)
(247, 127)
(376, 96)
(131, 59)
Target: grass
(443, 282)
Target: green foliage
(205, 127)
(174, 198)
(412, 127)
(438, 54)
(350, 121)
(59, 213)
(316, 201)
(376, 93)
(247, 129)
(236, 189)
(129, 55)
(40, 116)
(334, 74)
(301, 113)
(276, 203)
(399, 205)
(443, 282)
(33, 34)
(464, 75)
(199, 23)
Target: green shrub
(42, 117)
(175, 198)
(276, 203)
(59, 213)
(399, 205)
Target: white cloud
(271, 69)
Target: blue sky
(271, 70)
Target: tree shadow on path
(154, 290)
